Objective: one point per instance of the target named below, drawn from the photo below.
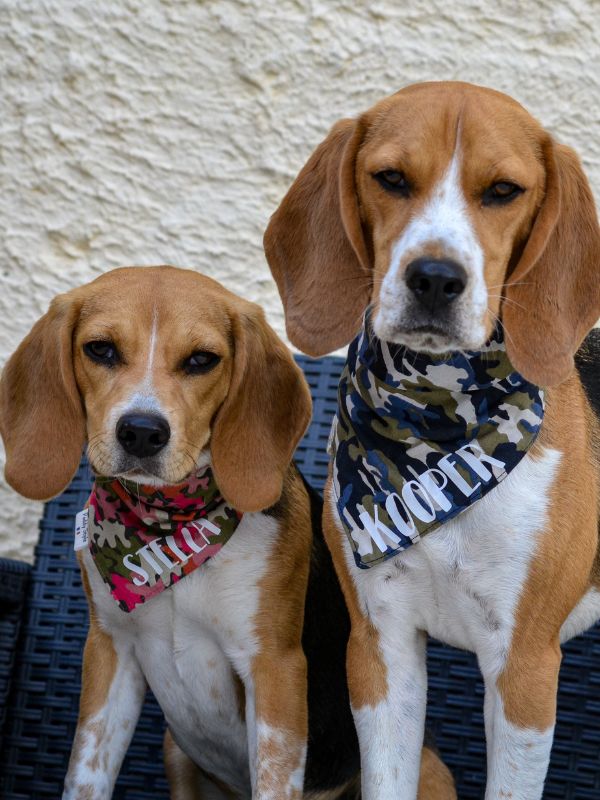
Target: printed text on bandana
(163, 554)
(422, 498)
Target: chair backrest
(43, 705)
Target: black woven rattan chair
(41, 711)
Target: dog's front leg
(520, 711)
(387, 678)
(112, 694)
(277, 720)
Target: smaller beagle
(202, 557)
(457, 244)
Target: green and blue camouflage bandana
(144, 539)
(419, 438)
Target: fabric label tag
(81, 529)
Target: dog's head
(161, 371)
(446, 206)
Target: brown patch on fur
(99, 661)
(182, 773)
(367, 672)
(281, 701)
(436, 781)
(94, 762)
(561, 571)
(85, 792)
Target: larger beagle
(447, 207)
(171, 379)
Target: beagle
(184, 394)
(472, 237)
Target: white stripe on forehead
(143, 395)
(444, 221)
(442, 229)
(152, 343)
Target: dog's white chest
(192, 641)
(462, 582)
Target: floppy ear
(316, 249)
(41, 415)
(266, 412)
(553, 294)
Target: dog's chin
(147, 475)
(429, 338)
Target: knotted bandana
(144, 539)
(419, 438)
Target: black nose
(142, 435)
(435, 282)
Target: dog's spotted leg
(112, 694)
(520, 712)
(280, 726)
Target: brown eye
(393, 181)
(501, 192)
(200, 362)
(102, 352)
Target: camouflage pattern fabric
(419, 438)
(144, 539)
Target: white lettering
(456, 478)
(394, 507)
(434, 489)
(156, 549)
(143, 553)
(410, 492)
(203, 525)
(474, 460)
(138, 570)
(378, 531)
(191, 543)
(177, 552)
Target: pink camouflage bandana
(144, 539)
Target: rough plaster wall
(167, 132)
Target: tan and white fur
(462, 175)
(223, 650)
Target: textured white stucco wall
(149, 132)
